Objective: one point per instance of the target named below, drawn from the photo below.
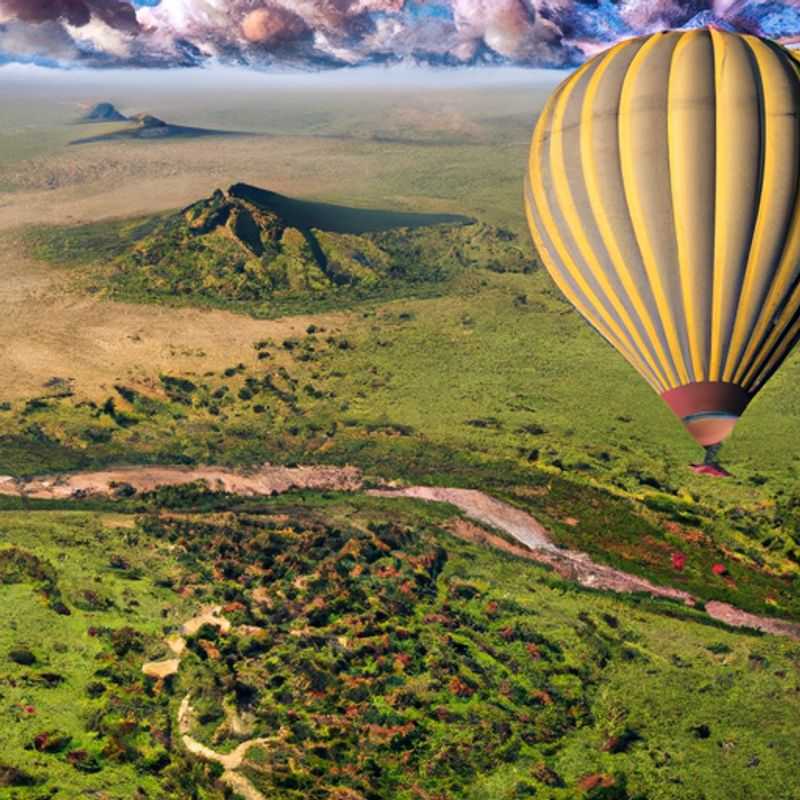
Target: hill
(248, 245)
(144, 126)
(103, 112)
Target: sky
(315, 35)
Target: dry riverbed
(267, 480)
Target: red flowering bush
(678, 561)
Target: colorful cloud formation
(334, 33)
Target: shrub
(22, 656)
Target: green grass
(509, 681)
(17, 145)
(664, 681)
(405, 394)
(95, 242)
(53, 695)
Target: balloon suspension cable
(711, 465)
(711, 458)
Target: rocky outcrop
(251, 227)
(103, 112)
(148, 121)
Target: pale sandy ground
(212, 615)
(483, 508)
(105, 181)
(161, 669)
(47, 331)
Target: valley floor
(295, 600)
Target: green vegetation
(404, 395)
(275, 415)
(379, 655)
(82, 595)
(255, 251)
(431, 668)
(98, 241)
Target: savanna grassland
(382, 310)
(371, 654)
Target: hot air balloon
(662, 196)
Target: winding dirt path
(160, 670)
(478, 506)
(230, 762)
(482, 508)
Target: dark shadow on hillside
(306, 214)
(159, 132)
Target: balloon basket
(710, 470)
(710, 466)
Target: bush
(14, 776)
(51, 741)
(22, 656)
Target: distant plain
(410, 148)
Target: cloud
(273, 25)
(118, 14)
(328, 33)
(103, 39)
(65, 31)
(515, 30)
(654, 15)
(45, 42)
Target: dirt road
(482, 508)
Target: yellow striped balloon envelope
(662, 194)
